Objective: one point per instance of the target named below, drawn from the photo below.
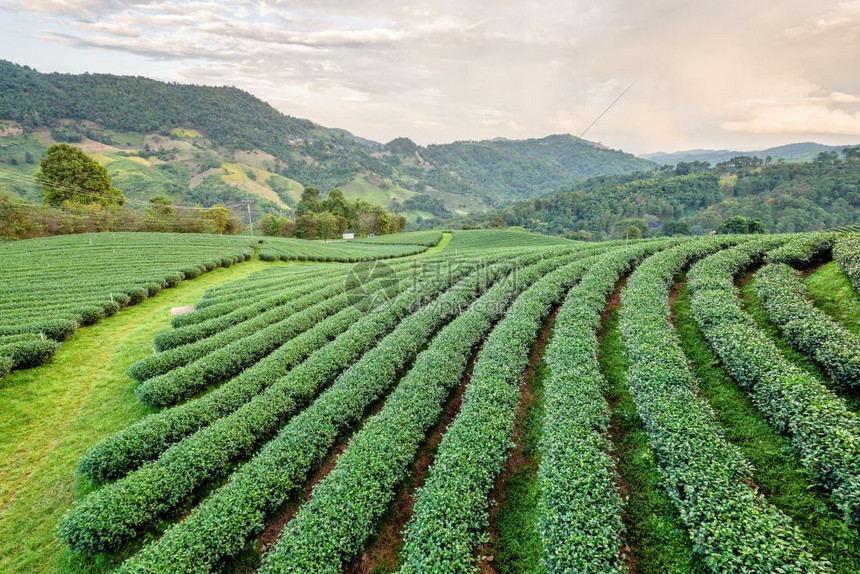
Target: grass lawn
(53, 413)
(832, 292)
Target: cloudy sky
(737, 74)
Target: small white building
(349, 235)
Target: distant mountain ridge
(173, 133)
(801, 151)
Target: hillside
(200, 144)
(803, 151)
(786, 197)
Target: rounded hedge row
(285, 321)
(809, 330)
(824, 431)
(221, 525)
(846, 253)
(731, 525)
(192, 333)
(346, 505)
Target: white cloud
(791, 119)
(709, 74)
(842, 17)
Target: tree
(306, 226)
(68, 175)
(310, 202)
(326, 225)
(270, 225)
(382, 223)
(676, 228)
(741, 224)
(337, 204)
(221, 218)
(634, 229)
(342, 224)
(851, 152)
(28, 157)
(160, 207)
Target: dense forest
(489, 172)
(694, 198)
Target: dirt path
(198, 179)
(384, 548)
(519, 459)
(53, 413)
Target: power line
(576, 140)
(248, 202)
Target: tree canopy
(68, 175)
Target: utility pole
(248, 203)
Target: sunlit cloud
(791, 119)
(709, 74)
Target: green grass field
(831, 291)
(55, 412)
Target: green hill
(786, 197)
(203, 144)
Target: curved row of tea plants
(451, 508)
(221, 525)
(278, 324)
(803, 249)
(266, 290)
(116, 512)
(425, 238)
(177, 337)
(51, 286)
(239, 309)
(251, 288)
(255, 289)
(808, 329)
(345, 507)
(287, 249)
(24, 350)
(846, 252)
(480, 239)
(580, 505)
(731, 525)
(824, 431)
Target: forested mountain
(696, 198)
(803, 151)
(203, 128)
